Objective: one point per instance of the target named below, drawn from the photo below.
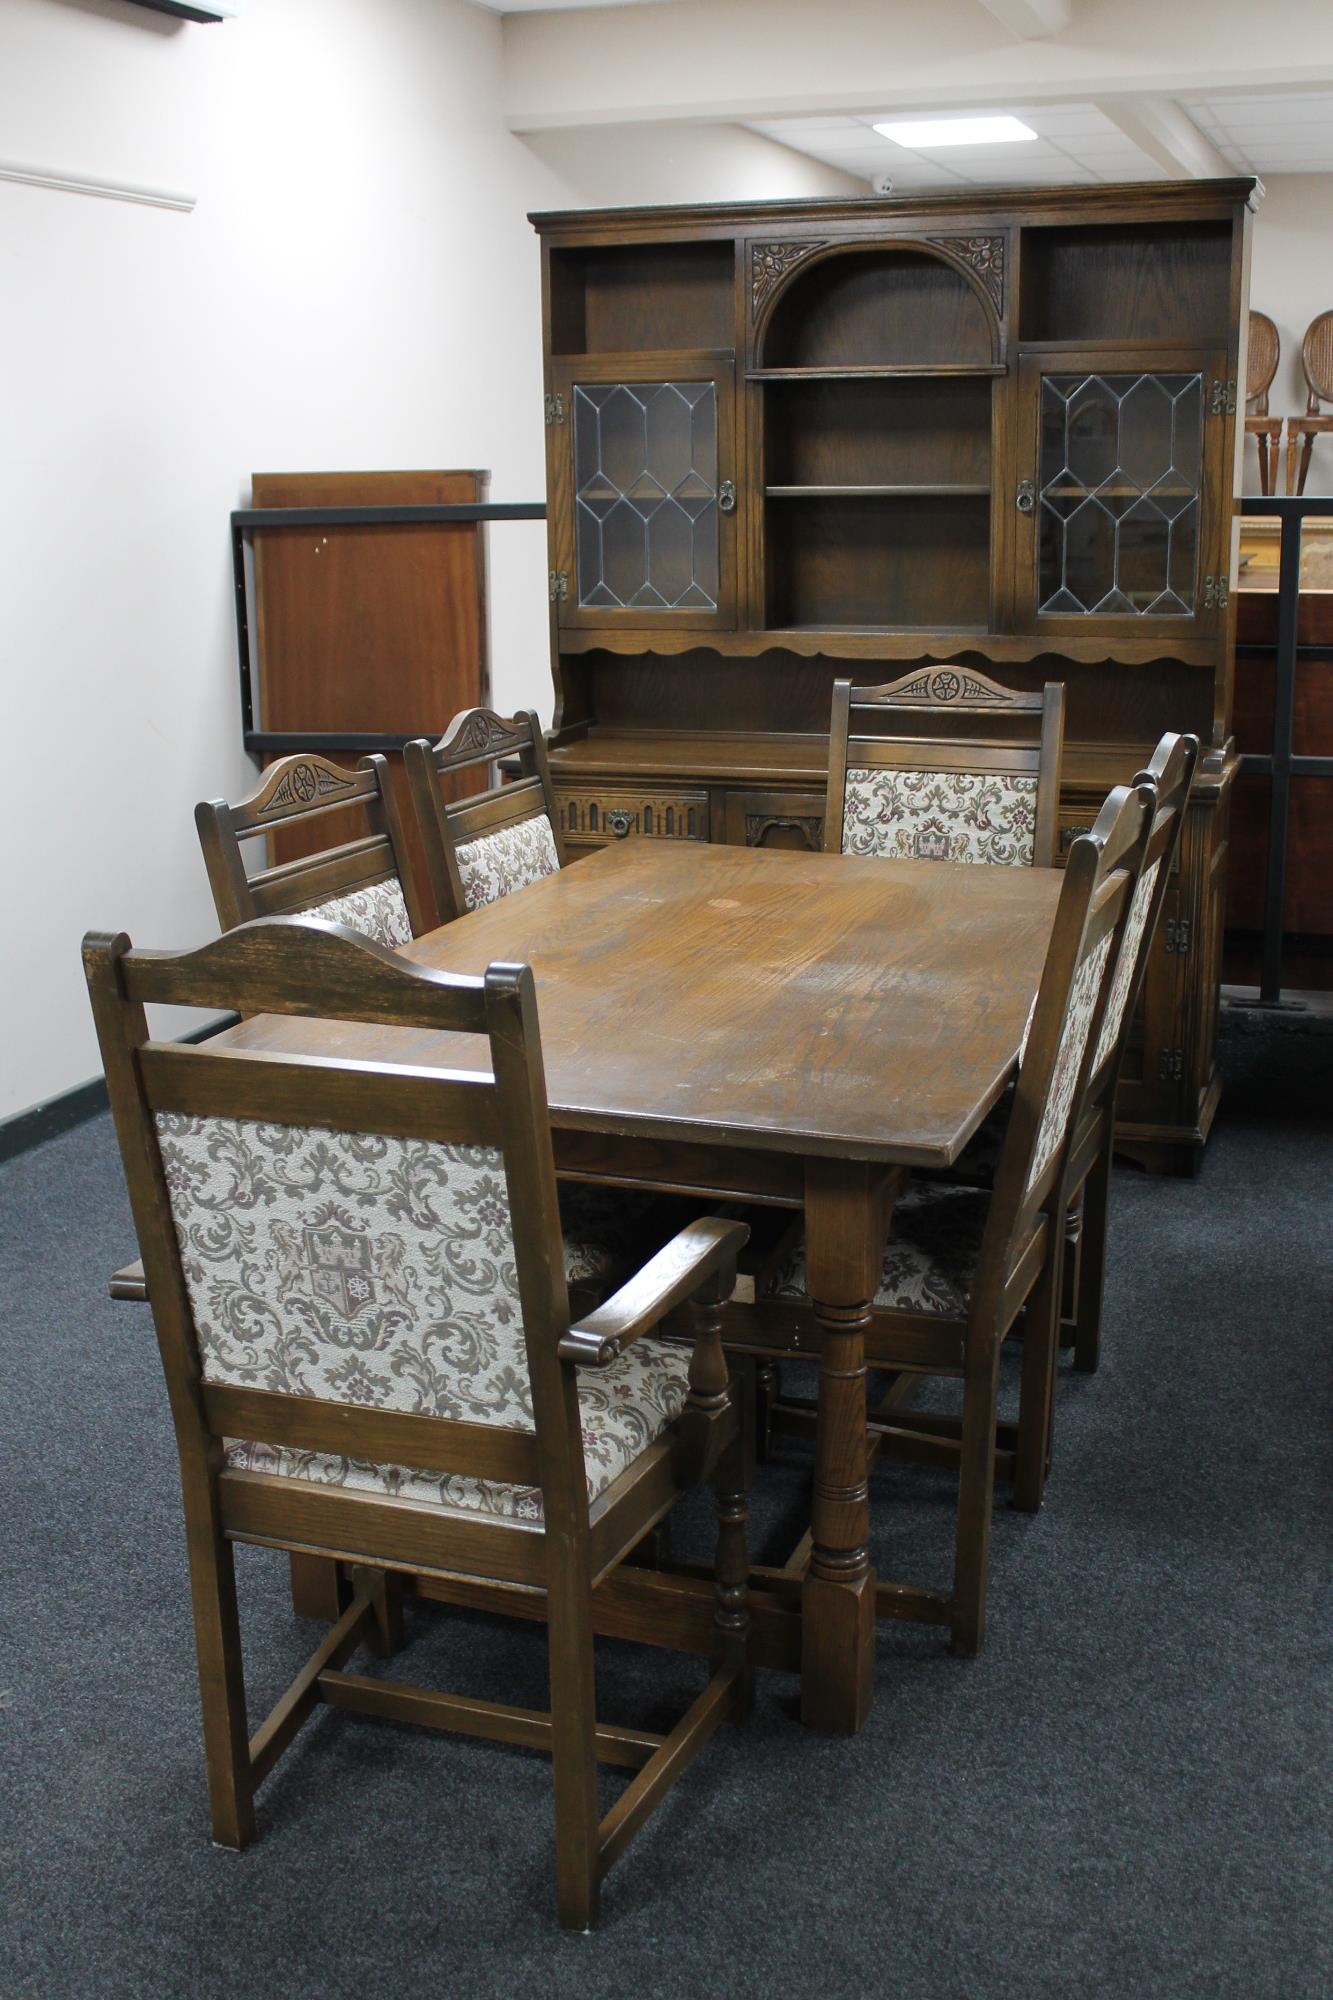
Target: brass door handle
(726, 498)
(619, 822)
(1025, 499)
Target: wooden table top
(818, 1004)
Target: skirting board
(26, 1129)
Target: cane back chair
(482, 848)
(1264, 351)
(984, 788)
(961, 1264)
(357, 1285)
(1317, 366)
(361, 882)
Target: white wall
(357, 286)
(1291, 279)
(621, 165)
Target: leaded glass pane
(1121, 470)
(645, 495)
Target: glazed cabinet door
(642, 474)
(1120, 473)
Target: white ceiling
(1278, 133)
(1288, 133)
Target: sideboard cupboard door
(643, 476)
(1119, 475)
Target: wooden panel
(369, 629)
(877, 308)
(1140, 281)
(868, 562)
(642, 297)
(871, 433)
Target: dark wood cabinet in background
(788, 442)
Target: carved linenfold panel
(306, 784)
(982, 254)
(770, 263)
(615, 815)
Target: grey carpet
(1125, 1795)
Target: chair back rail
(945, 720)
(449, 829)
(295, 791)
(177, 1118)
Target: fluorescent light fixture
(928, 134)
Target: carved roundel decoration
(945, 686)
(304, 784)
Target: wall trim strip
(67, 183)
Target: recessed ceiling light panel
(927, 135)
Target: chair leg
(217, 1636)
(768, 1391)
(976, 1483)
(385, 1591)
(731, 1614)
(574, 1747)
(1041, 1351)
(1092, 1267)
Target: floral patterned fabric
(988, 816)
(380, 1272)
(378, 912)
(498, 863)
(1069, 1057)
(929, 1259)
(1126, 965)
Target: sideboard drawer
(595, 816)
(774, 819)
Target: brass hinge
(1216, 593)
(1222, 399)
(1172, 1065)
(557, 584)
(1178, 935)
(555, 409)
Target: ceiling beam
(1167, 134)
(1030, 20)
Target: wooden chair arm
(705, 1250)
(129, 1282)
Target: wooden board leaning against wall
(802, 441)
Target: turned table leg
(845, 1209)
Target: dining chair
(1264, 351)
(945, 765)
(479, 849)
(358, 1290)
(1170, 774)
(1317, 366)
(961, 1264)
(362, 882)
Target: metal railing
(1281, 764)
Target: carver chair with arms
(961, 1264)
(945, 765)
(358, 1288)
(479, 849)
